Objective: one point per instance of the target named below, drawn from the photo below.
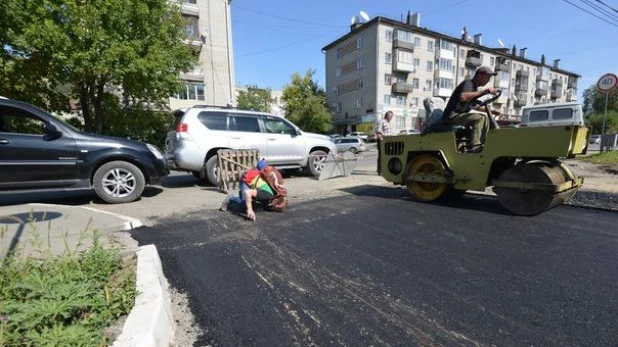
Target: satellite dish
(469, 38)
(354, 20)
(501, 43)
(364, 15)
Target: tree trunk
(85, 106)
(97, 101)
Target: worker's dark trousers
(379, 151)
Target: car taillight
(182, 128)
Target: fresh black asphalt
(376, 268)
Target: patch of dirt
(187, 331)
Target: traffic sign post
(605, 84)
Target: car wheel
(353, 150)
(118, 182)
(315, 163)
(212, 169)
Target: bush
(66, 300)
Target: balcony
(572, 83)
(521, 81)
(571, 96)
(473, 59)
(408, 46)
(522, 100)
(556, 89)
(502, 65)
(403, 66)
(442, 92)
(403, 88)
(197, 76)
(190, 9)
(540, 92)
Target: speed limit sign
(607, 82)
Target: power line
(606, 5)
(295, 20)
(603, 11)
(281, 47)
(583, 9)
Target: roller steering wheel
(474, 103)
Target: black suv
(40, 152)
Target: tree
(305, 104)
(594, 104)
(97, 48)
(255, 98)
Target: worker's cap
(486, 70)
(261, 164)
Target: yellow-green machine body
(522, 165)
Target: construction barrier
(232, 164)
(337, 165)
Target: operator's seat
(434, 108)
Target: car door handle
(272, 139)
(4, 142)
(235, 138)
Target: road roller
(522, 165)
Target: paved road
(375, 268)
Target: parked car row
(40, 152)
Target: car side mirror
(298, 132)
(51, 132)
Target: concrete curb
(150, 322)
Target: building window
(359, 83)
(388, 57)
(430, 45)
(430, 66)
(191, 28)
(428, 84)
(405, 57)
(444, 83)
(402, 77)
(404, 35)
(359, 43)
(446, 64)
(446, 45)
(415, 83)
(414, 102)
(192, 91)
(417, 42)
(491, 61)
(462, 53)
(359, 64)
(417, 63)
(387, 99)
(462, 71)
(387, 79)
(401, 100)
(359, 102)
(338, 72)
(190, 1)
(389, 36)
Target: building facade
(385, 64)
(209, 33)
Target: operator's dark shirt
(454, 105)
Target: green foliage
(89, 47)
(255, 98)
(606, 158)
(65, 300)
(595, 121)
(305, 104)
(594, 101)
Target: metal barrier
(337, 165)
(232, 164)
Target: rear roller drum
(537, 196)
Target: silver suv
(197, 133)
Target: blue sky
(275, 38)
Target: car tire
(212, 168)
(353, 150)
(118, 182)
(315, 162)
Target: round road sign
(607, 82)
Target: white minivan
(563, 113)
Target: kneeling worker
(458, 110)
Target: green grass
(606, 158)
(64, 300)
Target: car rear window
(213, 120)
(538, 116)
(562, 113)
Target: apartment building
(209, 33)
(385, 64)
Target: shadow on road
(460, 201)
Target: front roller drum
(426, 178)
(533, 187)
